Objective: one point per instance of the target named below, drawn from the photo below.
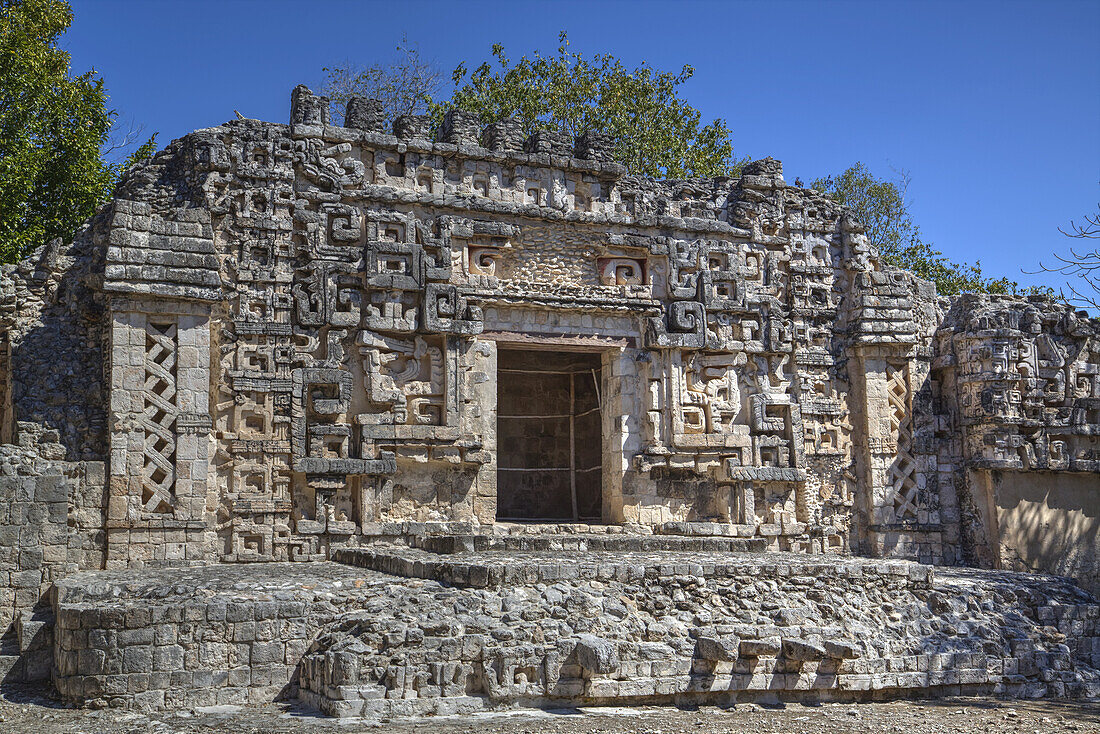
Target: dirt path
(31, 710)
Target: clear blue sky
(993, 107)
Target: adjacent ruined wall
(53, 431)
(52, 323)
(50, 527)
(1017, 383)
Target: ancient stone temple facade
(284, 343)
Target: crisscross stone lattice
(158, 418)
(904, 467)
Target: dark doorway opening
(549, 436)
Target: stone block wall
(180, 639)
(50, 527)
(718, 628)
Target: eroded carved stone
(299, 343)
(760, 368)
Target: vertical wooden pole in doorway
(573, 444)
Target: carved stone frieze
(304, 325)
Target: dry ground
(32, 710)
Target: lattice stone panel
(903, 469)
(158, 418)
(159, 469)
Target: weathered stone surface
(719, 649)
(354, 642)
(764, 647)
(596, 655)
(841, 650)
(307, 342)
(803, 651)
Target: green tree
(881, 205)
(54, 129)
(657, 133)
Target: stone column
(479, 418)
(892, 516)
(623, 412)
(873, 445)
(160, 433)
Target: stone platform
(502, 567)
(551, 628)
(516, 557)
(198, 636)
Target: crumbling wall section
(51, 525)
(706, 628)
(1018, 382)
(52, 315)
(53, 429)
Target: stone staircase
(26, 650)
(584, 542)
(517, 553)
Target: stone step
(720, 529)
(471, 570)
(11, 668)
(34, 629)
(512, 527)
(449, 544)
(498, 568)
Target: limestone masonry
(486, 421)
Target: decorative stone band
(765, 474)
(314, 465)
(193, 424)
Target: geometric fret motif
(901, 425)
(158, 418)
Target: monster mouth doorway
(549, 436)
